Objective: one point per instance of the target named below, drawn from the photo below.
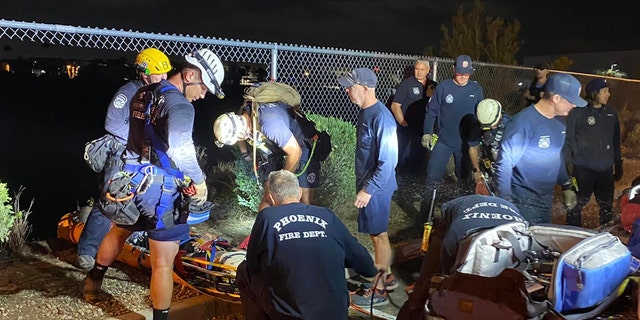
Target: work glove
(570, 198)
(568, 190)
(478, 176)
(617, 171)
(201, 193)
(427, 141)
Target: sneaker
(390, 282)
(91, 290)
(364, 300)
(86, 262)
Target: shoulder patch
(120, 100)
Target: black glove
(617, 171)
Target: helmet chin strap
(184, 87)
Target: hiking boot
(91, 290)
(379, 298)
(86, 262)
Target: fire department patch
(119, 101)
(591, 120)
(544, 142)
(311, 177)
(449, 98)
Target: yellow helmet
(153, 61)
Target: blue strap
(158, 147)
(166, 199)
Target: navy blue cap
(361, 76)
(463, 65)
(567, 86)
(595, 85)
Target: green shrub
(248, 189)
(7, 216)
(338, 181)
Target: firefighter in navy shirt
(452, 101)
(408, 110)
(530, 162)
(461, 217)
(592, 146)
(296, 259)
(375, 164)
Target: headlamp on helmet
(229, 128)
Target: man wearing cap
(536, 88)
(376, 159)
(159, 155)
(408, 109)
(592, 147)
(530, 162)
(452, 101)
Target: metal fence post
(274, 62)
(435, 70)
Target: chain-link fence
(310, 70)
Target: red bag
(629, 212)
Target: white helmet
(229, 128)
(489, 113)
(211, 69)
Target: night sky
(399, 26)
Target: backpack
(569, 270)
(319, 142)
(97, 152)
(265, 92)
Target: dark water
(45, 122)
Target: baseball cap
(567, 86)
(361, 76)
(541, 66)
(463, 64)
(595, 85)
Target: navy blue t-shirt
(530, 157)
(301, 252)
(376, 150)
(172, 122)
(410, 94)
(449, 104)
(117, 120)
(278, 126)
(468, 214)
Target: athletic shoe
(390, 282)
(364, 301)
(86, 262)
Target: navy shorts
(311, 176)
(374, 218)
